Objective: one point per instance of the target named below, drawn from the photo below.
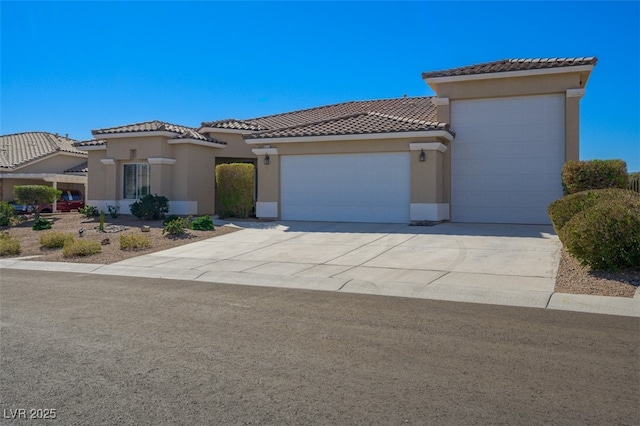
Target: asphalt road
(116, 350)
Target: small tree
(35, 196)
(235, 186)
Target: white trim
(92, 148)
(508, 74)
(47, 177)
(441, 101)
(218, 130)
(359, 137)
(428, 146)
(183, 207)
(575, 93)
(108, 161)
(196, 142)
(267, 209)
(265, 151)
(160, 160)
(429, 211)
(103, 205)
(136, 134)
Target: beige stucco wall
(427, 181)
(194, 176)
(57, 163)
(236, 146)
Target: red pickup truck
(70, 199)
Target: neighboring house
(489, 147)
(40, 158)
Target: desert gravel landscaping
(571, 278)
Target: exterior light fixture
(266, 160)
(423, 156)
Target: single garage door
(506, 158)
(346, 187)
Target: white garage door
(346, 188)
(506, 158)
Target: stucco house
(40, 158)
(488, 147)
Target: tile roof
(80, 168)
(361, 123)
(355, 117)
(21, 148)
(506, 65)
(93, 142)
(181, 132)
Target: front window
(136, 181)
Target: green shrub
(606, 235)
(114, 211)
(563, 209)
(75, 248)
(9, 246)
(580, 176)
(134, 242)
(203, 223)
(150, 207)
(41, 224)
(89, 211)
(235, 189)
(176, 227)
(55, 239)
(634, 181)
(6, 213)
(170, 218)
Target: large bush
(235, 187)
(35, 195)
(563, 209)
(151, 207)
(203, 223)
(6, 213)
(580, 176)
(606, 235)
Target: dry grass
(110, 250)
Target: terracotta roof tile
(506, 65)
(181, 132)
(355, 117)
(21, 148)
(94, 142)
(80, 168)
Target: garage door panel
(349, 188)
(507, 158)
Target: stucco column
(268, 203)
(443, 110)
(572, 124)
(111, 190)
(427, 182)
(160, 175)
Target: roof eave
(196, 142)
(509, 74)
(207, 129)
(443, 134)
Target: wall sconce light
(266, 160)
(423, 156)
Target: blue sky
(70, 67)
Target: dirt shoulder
(572, 277)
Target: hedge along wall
(595, 174)
(235, 184)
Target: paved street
(120, 350)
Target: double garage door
(346, 187)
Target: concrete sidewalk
(512, 265)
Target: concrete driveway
(500, 264)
